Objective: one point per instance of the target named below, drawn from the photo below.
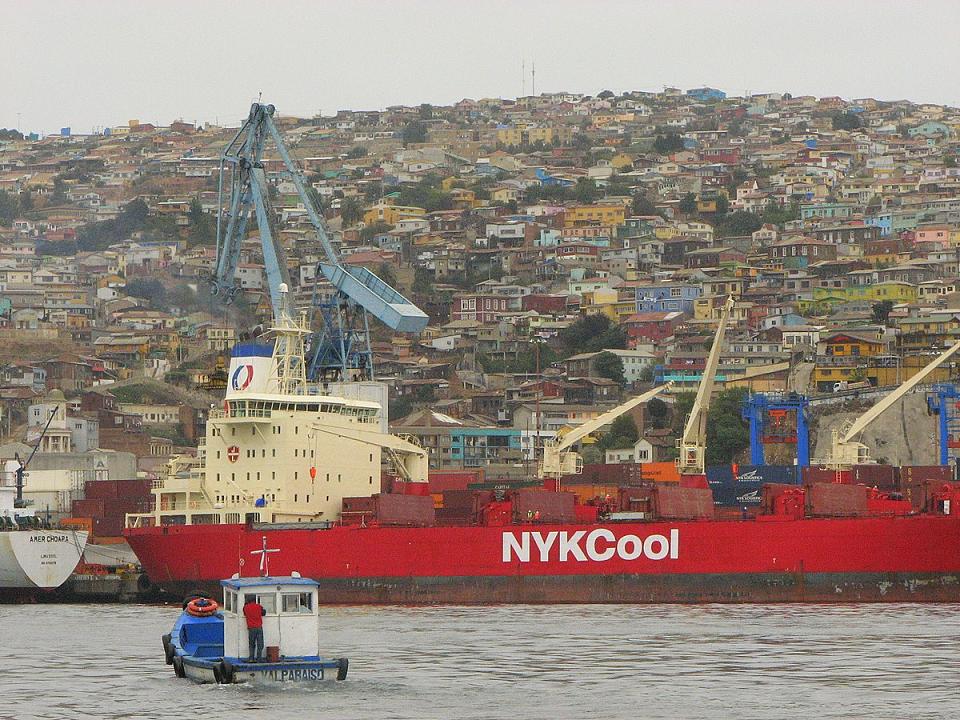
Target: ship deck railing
(241, 412)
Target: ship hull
(889, 559)
(37, 560)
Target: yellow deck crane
(845, 449)
(558, 459)
(692, 445)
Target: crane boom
(336, 350)
(693, 443)
(846, 450)
(556, 462)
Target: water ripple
(468, 663)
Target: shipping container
(410, 510)
(882, 477)
(458, 499)
(741, 485)
(813, 474)
(441, 480)
(586, 493)
(108, 527)
(89, 507)
(927, 472)
(453, 516)
(133, 488)
(919, 492)
(836, 499)
(100, 490)
(77, 523)
(660, 472)
(773, 499)
(543, 506)
(682, 503)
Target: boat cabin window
(297, 603)
(230, 601)
(269, 602)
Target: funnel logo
(242, 377)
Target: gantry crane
(845, 449)
(558, 459)
(769, 414)
(339, 349)
(692, 446)
(943, 400)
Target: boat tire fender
(226, 672)
(168, 650)
(217, 675)
(178, 667)
(343, 666)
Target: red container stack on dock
(107, 502)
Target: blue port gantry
(767, 413)
(943, 400)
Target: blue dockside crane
(778, 418)
(340, 348)
(943, 400)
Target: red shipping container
(543, 505)
(458, 499)
(836, 499)
(882, 477)
(90, 507)
(454, 516)
(416, 510)
(453, 480)
(927, 472)
(100, 489)
(813, 474)
(636, 499)
(108, 527)
(586, 514)
(681, 503)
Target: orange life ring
(208, 608)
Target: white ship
(32, 556)
(281, 449)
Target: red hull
(912, 558)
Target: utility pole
(533, 79)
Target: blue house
(706, 93)
(666, 297)
(546, 179)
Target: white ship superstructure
(280, 449)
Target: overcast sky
(89, 63)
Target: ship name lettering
(49, 538)
(598, 545)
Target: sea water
(516, 662)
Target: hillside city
(570, 251)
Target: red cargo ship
(258, 480)
(884, 552)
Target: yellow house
(386, 212)
(544, 134)
(504, 194)
(595, 214)
(510, 136)
(601, 300)
(897, 292)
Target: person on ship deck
(254, 612)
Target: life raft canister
(202, 607)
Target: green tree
(881, 311)
(148, 289)
(688, 204)
(605, 94)
(203, 229)
(9, 208)
(592, 333)
(658, 412)
(422, 281)
(642, 205)
(669, 143)
(26, 201)
(739, 223)
(727, 431)
(386, 273)
(426, 111)
(371, 231)
(414, 132)
(610, 366)
(845, 121)
(357, 151)
(350, 211)
(586, 191)
(623, 433)
(59, 196)
(777, 215)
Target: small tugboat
(209, 642)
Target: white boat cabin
(292, 620)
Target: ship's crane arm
(693, 443)
(409, 458)
(557, 461)
(335, 350)
(846, 450)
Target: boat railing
(240, 412)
